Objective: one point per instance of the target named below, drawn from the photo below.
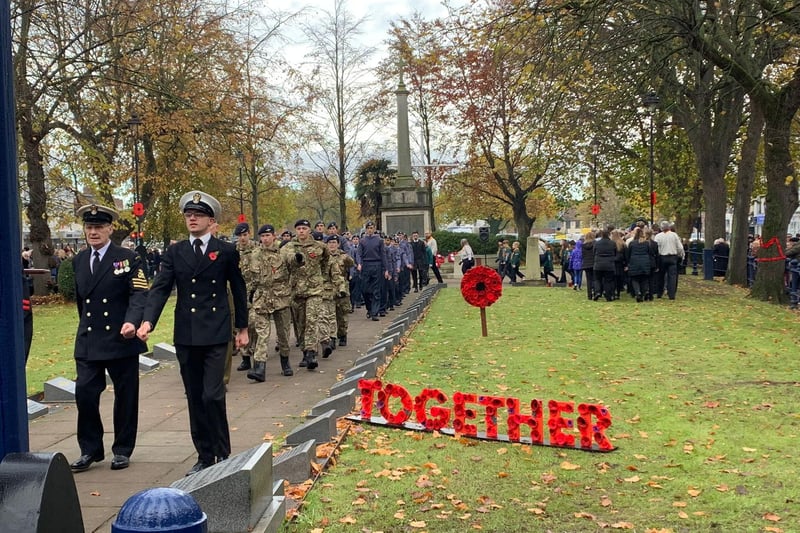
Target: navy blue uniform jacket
(113, 295)
(202, 312)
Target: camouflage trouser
(298, 333)
(309, 313)
(252, 333)
(343, 308)
(282, 317)
(328, 319)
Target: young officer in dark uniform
(111, 290)
(202, 268)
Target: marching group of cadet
(309, 283)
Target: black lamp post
(651, 102)
(240, 155)
(595, 207)
(133, 123)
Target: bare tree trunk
(781, 203)
(745, 181)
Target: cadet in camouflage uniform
(269, 272)
(342, 304)
(333, 285)
(307, 259)
(245, 246)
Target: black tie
(198, 248)
(96, 262)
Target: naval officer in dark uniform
(111, 290)
(202, 268)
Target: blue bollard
(160, 510)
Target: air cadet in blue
(371, 263)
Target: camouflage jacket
(244, 262)
(336, 278)
(307, 261)
(267, 276)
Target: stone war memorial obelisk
(405, 206)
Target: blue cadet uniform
(371, 262)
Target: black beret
(317, 235)
(319, 223)
(241, 227)
(302, 222)
(286, 233)
(369, 224)
(332, 225)
(266, 228)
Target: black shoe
(343, 341)
(333, 343)
(369, 315)
(220, 459)
(245, 364)
(277, 348)
(259, 372)
(326, 349)
(416, 290)
(374, 319)
(311, 360)
(381, 314)
(639, 298)
(119, 462)
(198, 466)
(84, 462)
(286, 367)
(304, 361)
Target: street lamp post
(240, 155)
(133, 123)
(651, 102)
(595, 207)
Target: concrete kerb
(369, 366)
(347, 383)
(320, 429)
(341, 404)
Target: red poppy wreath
(481, 286)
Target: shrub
(66, 280)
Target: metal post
(134, 122)
(651, 101)
(240, 155)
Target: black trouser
(91, 382)
(372, 287)
(640, 284)
(466, 264)
(202, 372)
(604, 284)
(436, 272)
(669, 271)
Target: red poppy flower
(212, 256)
(481, 286)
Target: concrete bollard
(160, 510)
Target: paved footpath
(257, 412)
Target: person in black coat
(641, 256)
(111, 289)
(202, 269)
(605, 260)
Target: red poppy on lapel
(212, 256)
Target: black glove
(299, 258)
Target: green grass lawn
(54, 327)
(705, 402)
